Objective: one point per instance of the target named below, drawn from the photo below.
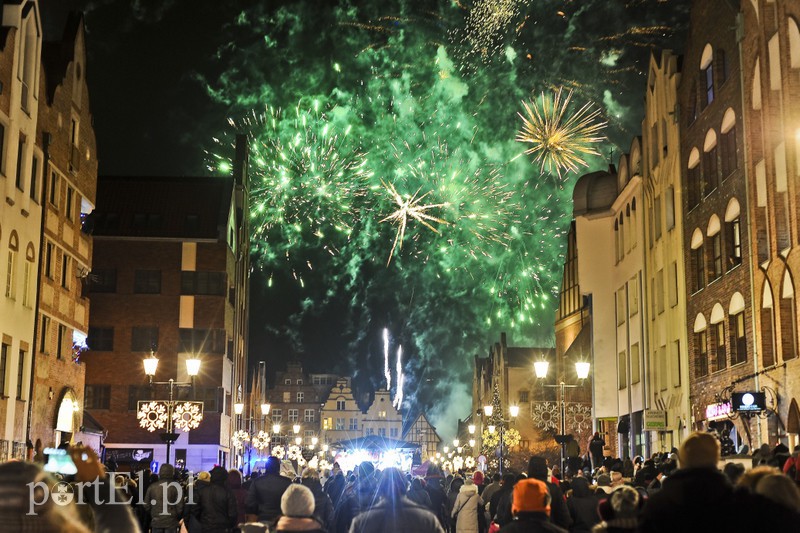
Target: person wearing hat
(604, 483)
(297, 510)
(531, 509)
(164, 502)
(559, 515)
(215, 505)
(394, 512)
(357, 497)
(620, 511)
(323, 507)
(582, 506)
(263, 501)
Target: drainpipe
(46, 139)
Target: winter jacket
(489, 491)
(531, 523)
(406, 516)
(191, 519)
(334, 488)
(559, 514)
(323, 508)
(500, 505)
(439, 501)
(357, 497)
(419, 495)
(295, 525)
(465, 509)
(582, 507)
(239, 492)
(163, 512)
(264, 497)
(216, 508)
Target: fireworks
(398, 395)
(487, 23)
(386, 372)
(560, 139)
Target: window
(673, 284)
(657, 217)
(44, 345)
(728, 152)
(27, 276)
(140, 393)
(340, 405)
(633, 297)
(144, 338)
(676, 359)
(694, 186)
(369, 431)
(2, 148)
(710, 170)
(300, 397)
(327, 423)
(716, 257)
(202, 340)
(101, 339)
(669, 207)
(660, 291)
(65, 262)
(707, 79)
(523, 396)
(48, 260)
(97, 396)
(287, 397)
(382, 432)
(698, 265)
(54, 189)
(701, 353)
(354, 424)
(69, 202)
(294, 415)
(207, 283)
(734, 243)
(20, 161)
(3, 366)
(788, 326)
(147, 282)
(62, 337)
(308, 415)
(210, 396)
(663, 369)
(277, 416)
(738, 339)
(103, 280)
(381, 414)
(718, 344)
(299, 381)
(635, 364)
(393, 433)
(621, 307)
(622, 370)
(340, 424)
(722, 66)
(287, 381)
(11, 275)
(34, 191)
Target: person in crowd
(323, 507)
(781, 489)
(791, 467)
(215, 506)
(418, 494)
(357, 497)
(477, 478)
(191, 520)
(394, 512)
(335, 486)
(596, 445)
(500, 506)
(616, 479)
(574, 460)
(645, 474)
(620, 511)
(297, 511)
(492, 487)
(762, 455)
(531, 509)
(24, 506)
(263, 501)
(582, 506)
(239, 492)
(604, 483)
(438, 495)
(452, 492)
(559, 514)
(750, 478)
(733, 471)
(164, 502)
(466, 507)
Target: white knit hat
(297, 501)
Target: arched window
(767, 326)
(28, 275)
(794, 43)
(710, 168)
(719, 356)
(630, 229)
(737, 329)
(11, 272)
(715, 251)
(733, 234)
(756, 90)
(700, 346)
(616, 240)
(707, 74)
(728, 143)
(698, 263)
(788, 318)
(693, 180)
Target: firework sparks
(386, 372)
(487, 23)
(409, 207)
(398, 395)
(560, 140)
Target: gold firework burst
(560, 140)
(409, 207)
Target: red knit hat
(531, 496)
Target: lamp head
(471, 429)
(238, 408)
(276, 428)
(471, 443)
(582, 369)
(265, 409)
(491, 428)
(455, 443)
(513, 410)
(488, 410)
(296, 429)
(298, 440)
(541, 368)
(193, 367)
(151, 364)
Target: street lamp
(238, 408)
(265, 407)
(471, 429)
(488, 410)
(192, 370)
(582, 370)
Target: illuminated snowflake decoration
(458, 463)
(469, 462)
(324, 464)
(490, 440)
(187, 415)
(545, 415)
(294, 452)
(511, 438)
(301, 461)
(278, 451)
(579, 417)
(260, 441)
(152, 415)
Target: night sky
(348, 102)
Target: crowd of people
(684, 490)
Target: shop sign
(718, 411)
(655, 420)
(129, 455)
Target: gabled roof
(409, 423)
(172, 207)
(56, 55)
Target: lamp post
(192, 369)
(582, 370)
(256, 435)
(488, 411)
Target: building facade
(664, 257)
(296, 399)
(382, 418)
(341, 414)
(169, 276)
(420, 431)
(716, 227)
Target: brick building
(69, 161)
(170, 274)
(770, 62)
(717, 234)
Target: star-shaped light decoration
(152, 415)
(188, 415)
(409, 207)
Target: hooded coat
(264, 497)
(216, 508)
(240, 493)
(583, 507)
(164, 514)
(465, 509)
(356, 498)
(323, 507)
